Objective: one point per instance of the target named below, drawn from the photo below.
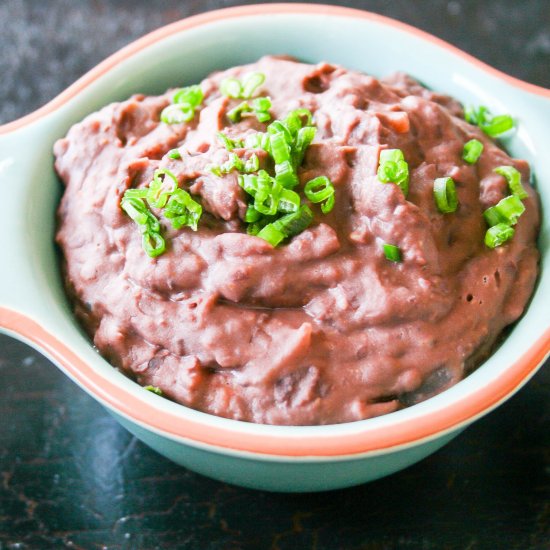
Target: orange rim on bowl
(379, 438)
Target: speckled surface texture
(70, 477)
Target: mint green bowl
(33, 306)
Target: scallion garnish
(259, 107)
(320, 189)
(493, 126)
(153, 389)
(182, 210)
(394, 169)
(229, 143)
(508, 211)
(174, 154)
(163, 185)
(445, 195)
(287, 226)
(153, 243)
(184, 104)
(513, 177)
(163, 193)
(498, 234)
(236, 89)
(472, 151)
(392, 252)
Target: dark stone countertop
(70, 477)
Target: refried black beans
(322, 328)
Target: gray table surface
(70, 477)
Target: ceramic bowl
(33, 306)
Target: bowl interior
(186, 57)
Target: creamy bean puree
(324, 327)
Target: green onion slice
(394, 169)
(472, 151)
(136, 193)
(507, 211)
(177, 113)
(266, 200)
(252, 164)
(153, 389)
(286, 175)
(251, 215)
(271, 234)
(231, 87)
(392, 252)
(229, 143)
(182, 210)
(158, 193)
(135, 208)
(493, 126)
(153, 243)
(287, 226)
(191, 95)
(513, 177)
(289, 201)
(235, 114)
(498, 234)
(445, 195)
(318, 189)
(234, 88)
(280, 149)
(251, 83)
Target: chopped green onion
(177, 113)
(493, 126)
(185, 103)
(266, 200)
(153, 389)
(260, 107)
(252, 164)
(445, 195)
(251, 214)
(285, 141)
(153, 243)
(328, 205)
(191, 95)
(289, 201)
(287, 226)
(231, 87)
(229, 143)
(507, 211)
(280, 150)
(135, 208)
(136, 193)
(234, 88)
(271, 234)
(392, 252)
(286, 175)
(472, 151)
(513, 177)
(279, 127)
(183, 211)
(498, 234)
(294, 223)
(303, 140)
(236, 113)
(318, 189)
(251, 83)
(394, 169)
(158, 194)
(174, 154)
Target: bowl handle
(28, 188)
